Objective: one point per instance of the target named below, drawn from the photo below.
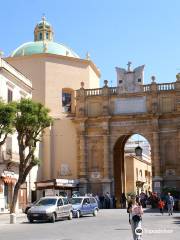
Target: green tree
(31, 119)
(7, 116)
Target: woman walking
(135, 217)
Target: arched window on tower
(47, 35)
(137, 174)
(40, 36)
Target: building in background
(56, 71)
(13, 87)
(138, 168)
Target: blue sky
(113, 32)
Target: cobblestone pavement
(109, 224)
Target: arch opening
(132, 165)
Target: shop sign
(66, 182)
(44, 184)
(49, 192)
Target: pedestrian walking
(143, 198)
(161, 205)
(101, 199)
(135, 211)
(170, 203)
(97, 199)
(107, 200)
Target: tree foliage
(7, 116)
(30, 121)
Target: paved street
(109, 224)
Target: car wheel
(70, 216)
(26, 210)
(78, 214)
(95, 212)
(53, 218)
(31, 220)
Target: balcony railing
(141, 179)
(114, 90)
(166, 86)
(93, 92)
(146, 88)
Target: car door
(86, 206)
(60, 208)
(66, 207)
(93, 203)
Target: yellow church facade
(56, 71)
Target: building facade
(85, 146)
(105, 119)
(13, 87)
(56, 71)
(138, 174)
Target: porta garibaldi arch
(106, 117)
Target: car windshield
(34, 203)
(46, 201)
(76, 200)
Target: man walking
(170, 203)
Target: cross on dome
(43, 17)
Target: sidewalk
(5, 218)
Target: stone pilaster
(106, 181)
(82, 165)
(157, 178)
(156, 155)
(178, 138)
(46, 154)
(106, 156)
(82, 160)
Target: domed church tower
(43, 43)
(56, 71)
(43, 31)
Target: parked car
(28, 206)
(84, 205)
(50, 208)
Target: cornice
(49, 55)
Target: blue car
(84, 206)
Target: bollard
(12, 218)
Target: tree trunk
(15, 197)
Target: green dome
(38, 47)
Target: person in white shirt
(135, 217)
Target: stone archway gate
(104, 115)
